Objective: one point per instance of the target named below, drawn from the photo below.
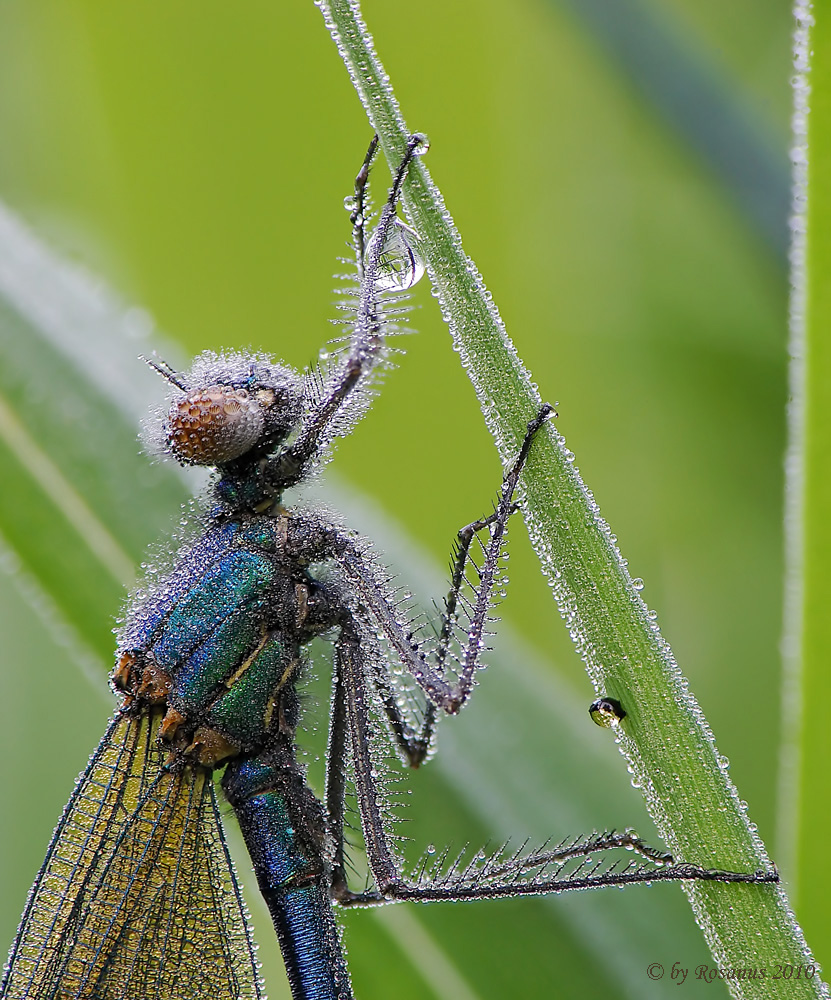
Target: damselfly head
(229, 406)
(215, 425)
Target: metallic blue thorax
(218, 643)
(220, 637)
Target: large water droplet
(607, 712)
(400, 265)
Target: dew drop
(607, 713)
(423, 144)
(400, 264)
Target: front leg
(367, 342)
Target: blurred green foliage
(197, 157)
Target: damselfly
(137, 896)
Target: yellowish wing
(137, 897)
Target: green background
(197, 155)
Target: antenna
(164, 369)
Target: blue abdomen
(286, 840)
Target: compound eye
(213, 425)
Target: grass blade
(805, 788)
